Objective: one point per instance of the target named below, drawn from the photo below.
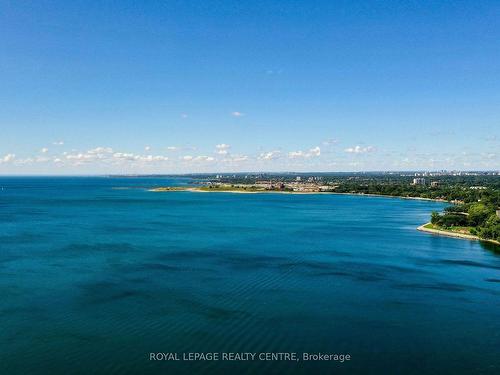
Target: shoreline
(197, 190)
(447, 233)
(394, 196)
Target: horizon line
(249, 173)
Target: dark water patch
(224, 257)
(250, 261)
(101, 292)
(491, 280)
(331, 273)
(109, 296)
(447, 287)
(470, 263)
(493, 248)
(7, 258)
(368, 272)
(367, 276)
(315, 269)
(157, 223)
(186, 255)
(161, 267)
(399, 303)
(23, 310)
(104, 247)
(180, 226)
(21, 238)
(139, 228)
(71, 336)
(331, 253)
(138, 280)
(196, 306)
(307, 265)
(28, 211)
(405, 270)
(370, 277)
(96, 286)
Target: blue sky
(193, 86)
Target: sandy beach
(198, 190)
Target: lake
(97, 273)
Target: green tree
(491, 228)
(452, 220)
(435, 218)
(478, 213)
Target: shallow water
(93, 279)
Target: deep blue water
(93, 279)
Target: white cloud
(106, 155)
(200, 158)
(98, 153)
(25, 161)
(184, 115)
(237, 114)
(147, 148)
(204, 158)
(172, 148)
(96, 156)
(58, 143)
(296, 154)
(222, 149)
(235, 158)
(123, 156)
(7, 158)
(150, 158)
(120, 156)
(316, 151)
(100, 150)
(359, 149)
(271, 155)
(313, 152)
(42, 159)
(81, 157)
(44, 150)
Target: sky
(242, 86)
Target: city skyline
(188, 87)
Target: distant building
(434, 183)
(298, 178)
(419, 181)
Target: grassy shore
(457, 232)
(233, 189)
(206, 189)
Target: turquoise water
(93, 279)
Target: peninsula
(472, 220)
(258, 187)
